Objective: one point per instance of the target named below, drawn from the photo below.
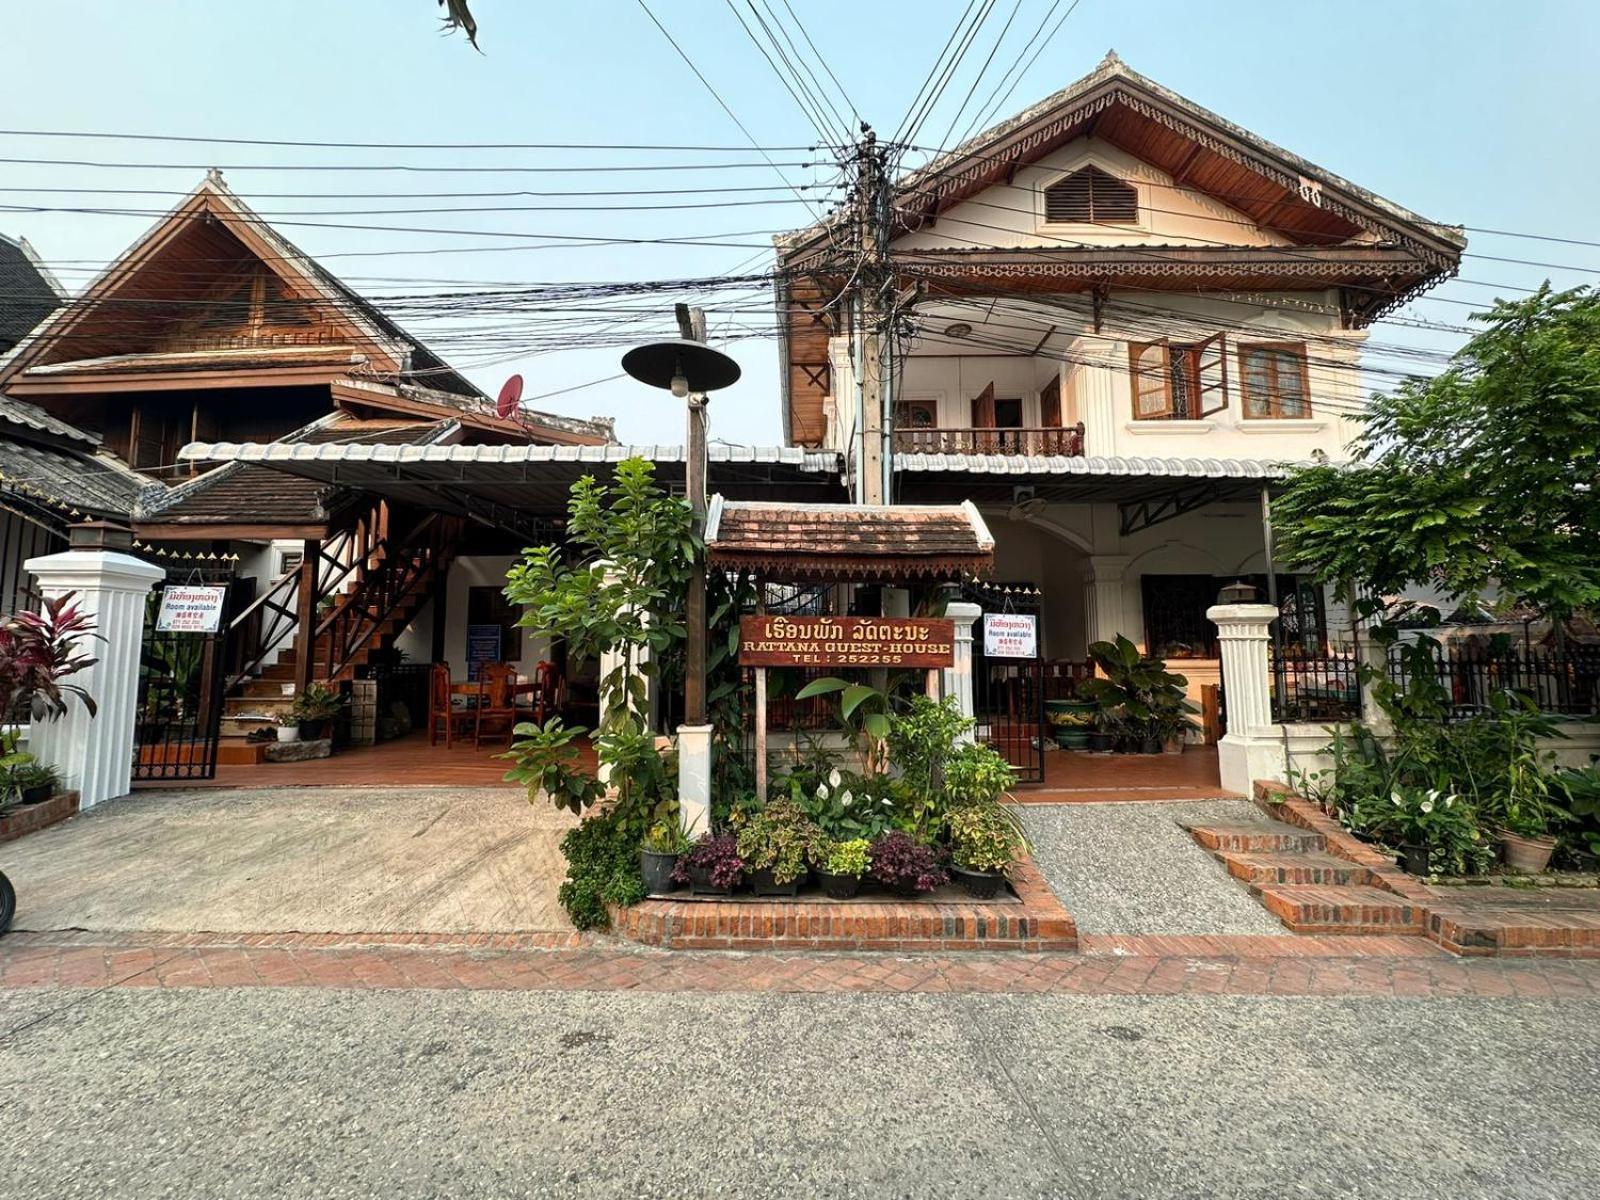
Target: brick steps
(1258, 837)
(1293, 868)
(1316, 908)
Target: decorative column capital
(1243, 621)
(1107, 568)
(102, 570)
(964, 613)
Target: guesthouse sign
(1010, 635)
(846, 642)
(190, 609)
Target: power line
(955, 118)
(231, 141)
(409, 167)
(715, 95)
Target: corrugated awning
(840, 543)
(505, 485)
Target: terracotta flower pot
(1528, 854)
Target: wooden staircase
(376, 585)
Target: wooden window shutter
(1050, 403)
(983, 408)
(1152, 384)
(1211, 376)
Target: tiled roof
(1034, 464)
(60, 480)
(242, 493)
(21, 414)
(836, 541)
(27, 293)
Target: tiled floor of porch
(1075, 778)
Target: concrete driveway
(345, 860)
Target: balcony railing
(1064, 441)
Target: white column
(958, 676)
(95, 754)
(1104, 601)
(1249, 750)
(1375, 658)
(694, 778)
(1097, 398)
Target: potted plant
(1139, 689)
(658, 856)
(1104, 733)
(976, 774)
(839, 871)
(36, 782)
(712, 866)
(776, 845)
(314, 707)
(1526, 840)
(289, 727)
(905, 865)
(985, 839)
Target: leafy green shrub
(780, 838)
(602, 866)
(976, 774)
(985, 837)
(547, 761)
(846, 858)
(847, 806)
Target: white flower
(846, 798)
(834, 778)
(1450, 801)
(1397, 799)
(822, 791)
(1427, 805)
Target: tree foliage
(1483, 475)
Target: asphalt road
(322, 1093)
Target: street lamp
(689, 369)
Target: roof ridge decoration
(213, 196)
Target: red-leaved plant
(717, 856)
(906, 864)
(38, 651)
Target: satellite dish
(701, 367)
(510, 397)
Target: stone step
(1266, 837)
(1294, 868)
(1322, 909)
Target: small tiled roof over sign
(844, 543)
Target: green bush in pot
(777, 844)
(985, 840)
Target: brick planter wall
(1033, 921)
(36, 816)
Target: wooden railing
(1065, 441)
(392, 570)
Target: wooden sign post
(902, 642)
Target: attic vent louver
(1091, 197)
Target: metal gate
(1008, 693)
(181, 684)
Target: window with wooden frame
(1182, 382)
(1274, 380)
(1090, 196)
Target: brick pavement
(1153, 966)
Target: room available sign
(190, 609)
(846, 641)
(1010, 635)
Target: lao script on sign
(846, 641)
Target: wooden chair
(497, 709)
(442, 712)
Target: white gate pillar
(958, 676)
(95, 755)
(1249, 750)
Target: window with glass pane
(1275, 380)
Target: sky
(1474, 112)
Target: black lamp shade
(706, 370)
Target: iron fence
(1565, 681)
(1311, 687)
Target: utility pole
(869, 290)
(692, 328)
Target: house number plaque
(846, 641)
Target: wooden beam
(156, 531)
(305, 630)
